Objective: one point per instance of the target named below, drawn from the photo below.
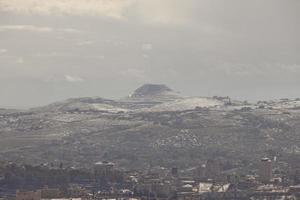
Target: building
(51, 193)
(265, 170)
(174, 171)
(28, 195)
(212, 169)
(103, 168)
(200, 173)
(104, 172)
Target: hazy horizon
(59, 49)
(130, 92)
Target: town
(271, 179)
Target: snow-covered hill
(84, 105)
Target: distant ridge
(147, 98)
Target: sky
(52, 50)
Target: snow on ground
(187, 104)
(108, 108)
(82, 106)
(283, 104)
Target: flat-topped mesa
(151, 90)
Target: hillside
(148, 128)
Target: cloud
(148, 11)
(108, 8)
(20, 60)
(145, 56)
(2, 51)
(85, 43)
(137, 74)
(259, 69)
(25, 28)
(147, 47)
(73, 79)
(69, 30)
(166, 11)
(32, 28)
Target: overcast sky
(56, 49)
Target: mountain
(151, 91)
(159, 98)
(153, 125)
(149, 97)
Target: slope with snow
(187, 104)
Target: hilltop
(151, 90)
